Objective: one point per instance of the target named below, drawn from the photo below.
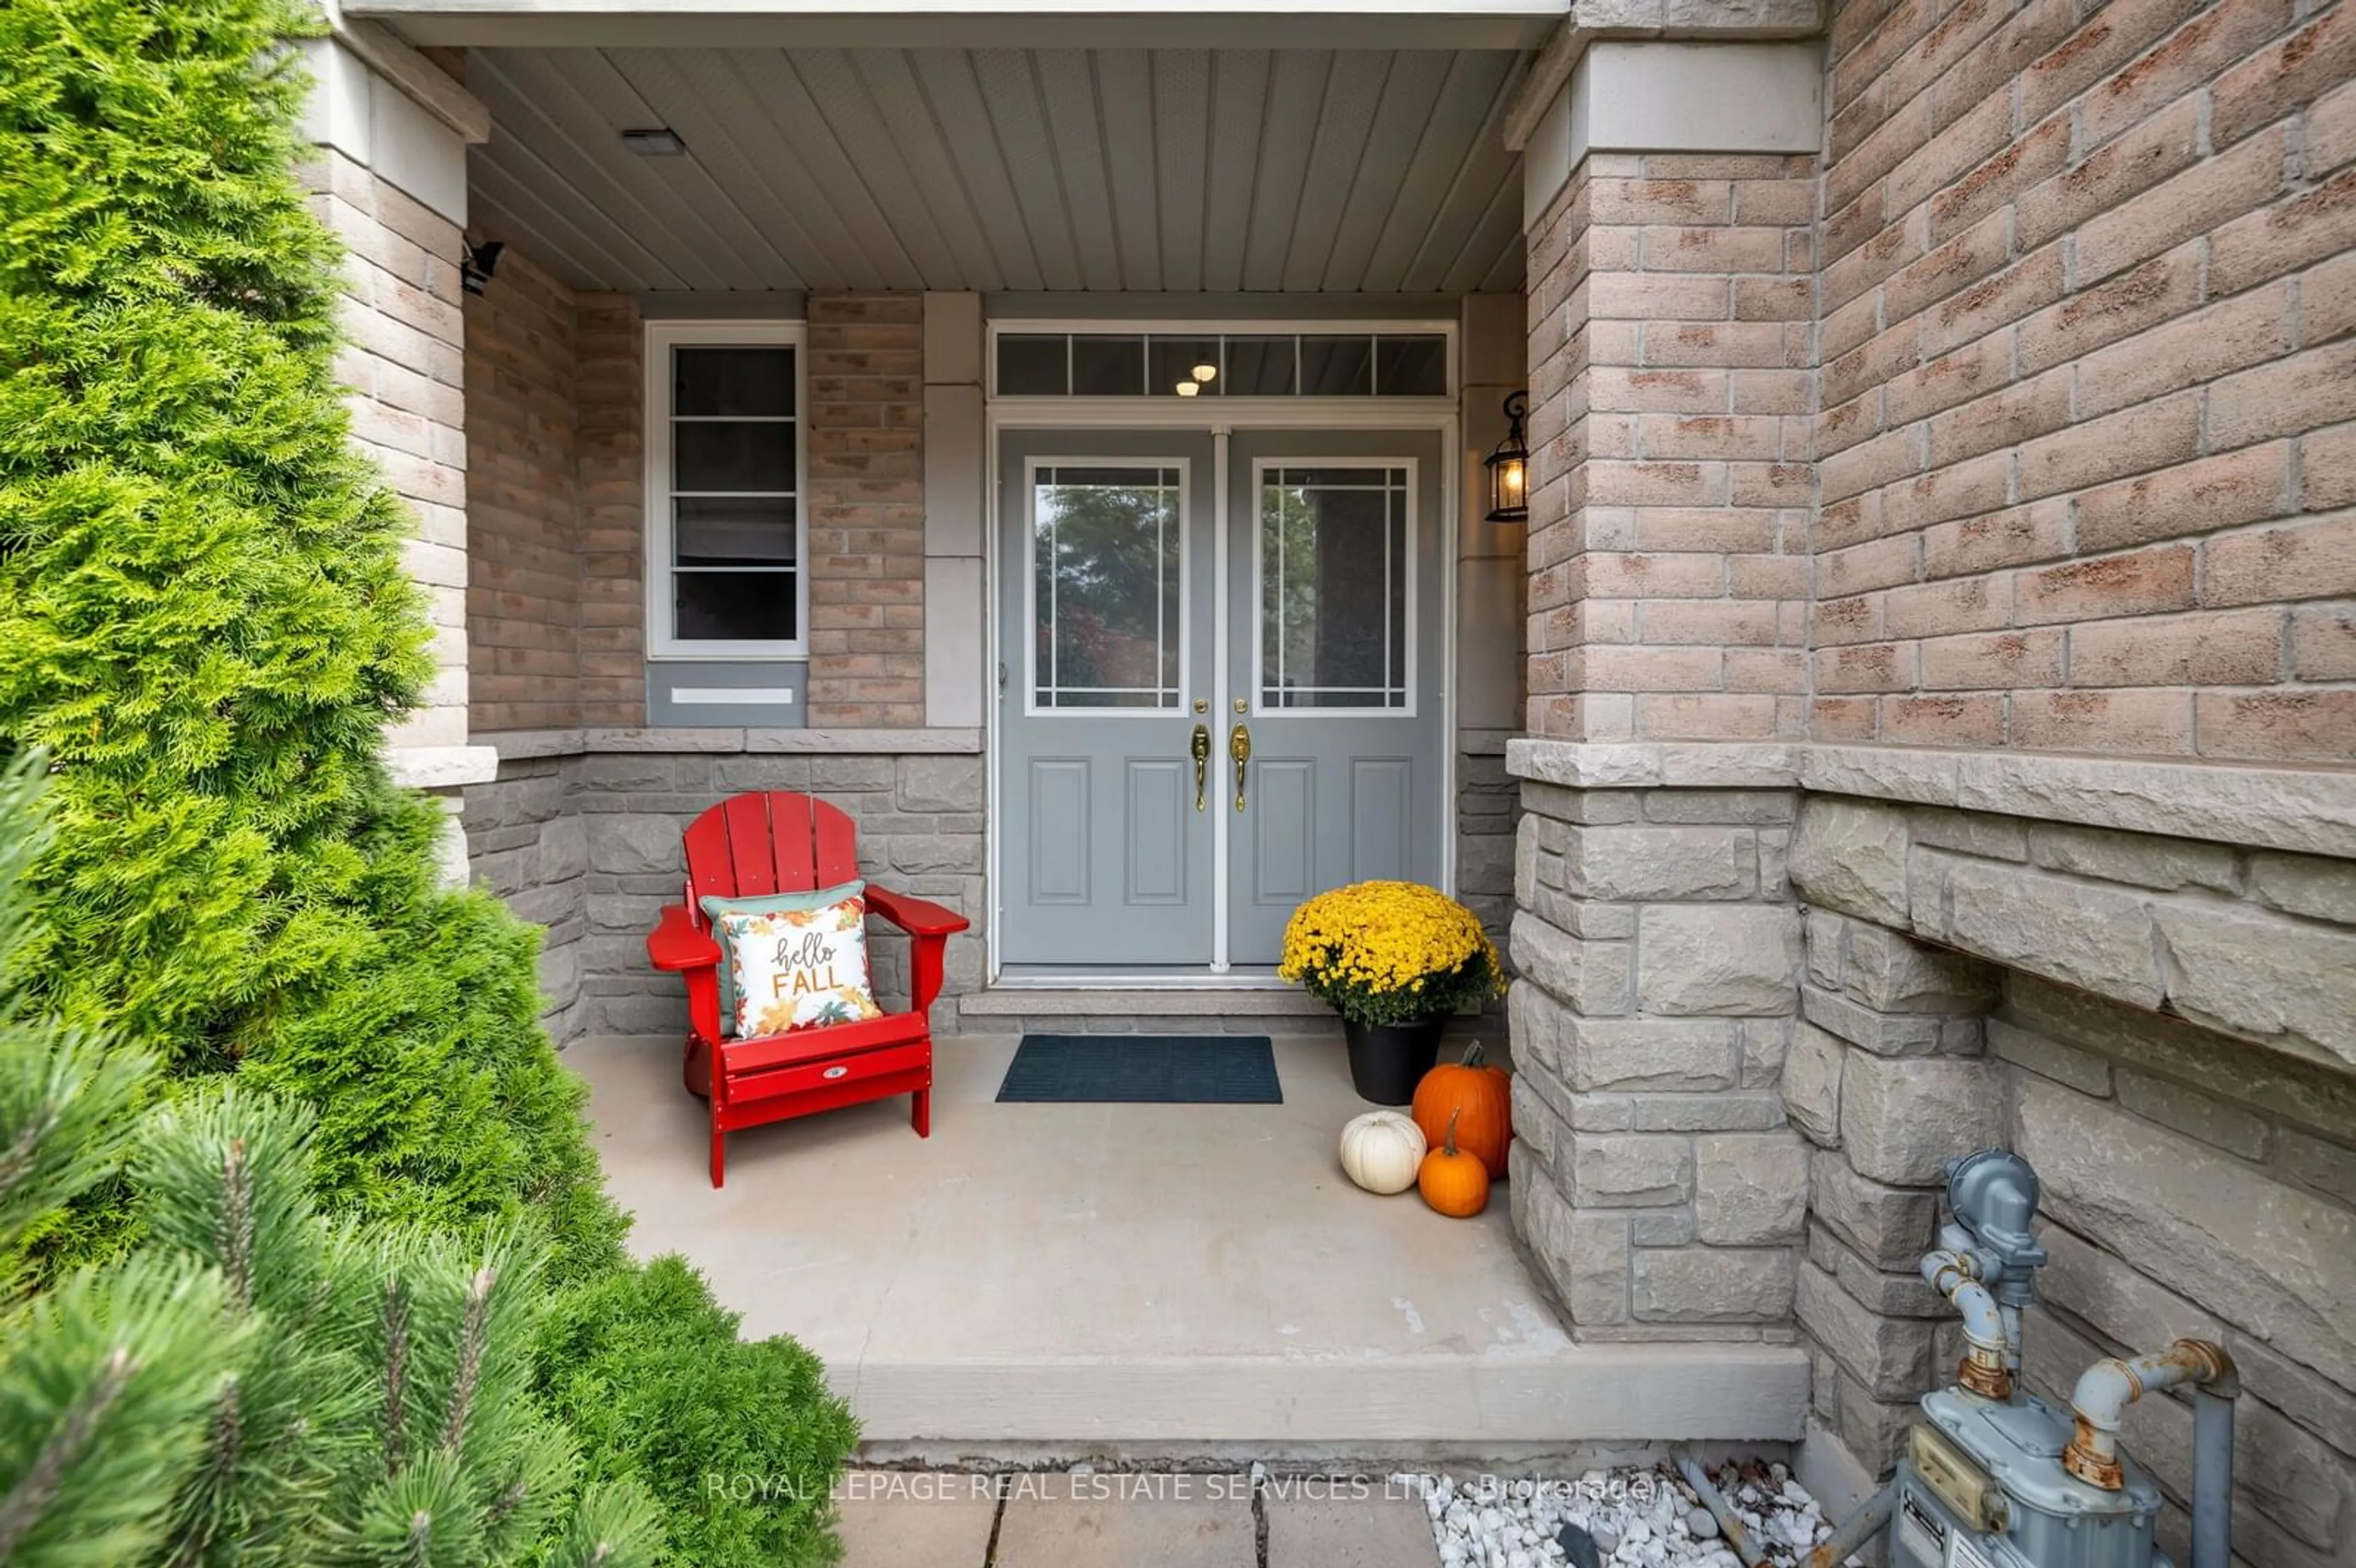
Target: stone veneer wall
(588, 842)
(1655, 1177)
(2088, 290)
(527, 844)
(2196, 1183)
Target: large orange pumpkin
(1452, 1180)
(1479, 1099)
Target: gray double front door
(1209, 712)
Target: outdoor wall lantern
(1509, 468)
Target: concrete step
(1265, 1002)
(1077, 1280)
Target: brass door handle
(1200, 748)
(1239, 748)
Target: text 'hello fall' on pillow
(799, 968)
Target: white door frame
(1221, 417)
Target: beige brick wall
(558, 395)
(402, 361)
(866, 507)
(554, 605)
(2088, 290)
(523, 588)
(610, 500)
(1670, 383)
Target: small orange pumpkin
(1452, 1180)
(1481, 1096)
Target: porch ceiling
(1006, 169)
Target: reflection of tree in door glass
(1333, 589)
(1106, 580)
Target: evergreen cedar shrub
(205, 620)
(630, 1369)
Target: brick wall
(403, 361)
(554, 602)
(523, 586)
(610, 501)
(866, 510)
(2189, 1189)
(1669, 367)
(2089, 282)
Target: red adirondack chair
(781, 843)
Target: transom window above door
(1336, 599)
(1403, 363)
(1108, 585)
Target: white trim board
(1659, 96)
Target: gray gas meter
(1983, 1486)
(1993, 1476)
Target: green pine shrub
(755, 1438)
(206, 624)
(252, 1386)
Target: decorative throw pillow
(715, 906)
(798, 968)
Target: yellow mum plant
(1390, 953)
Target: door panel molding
(1059, 821)
(1382, 817)
(1283, 818)
(1161, 798)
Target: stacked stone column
(1657, 1182)
(1655, 1177)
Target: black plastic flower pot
(1387, 1061)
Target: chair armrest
(917, 917)
(675, 943)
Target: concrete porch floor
(1100, 1278)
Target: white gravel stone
(1637, 1517)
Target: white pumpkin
(1382, 1150)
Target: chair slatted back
(770, 842)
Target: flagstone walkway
(931, 1518)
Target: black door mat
(1142, 1070)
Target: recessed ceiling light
(654, 141)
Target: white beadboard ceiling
(1220, 171)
